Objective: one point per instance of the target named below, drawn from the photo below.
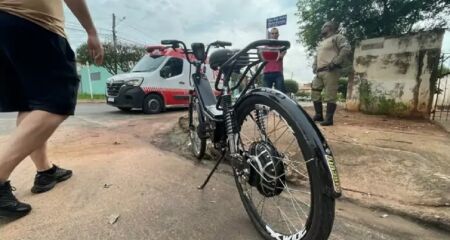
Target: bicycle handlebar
(260, 43)
(186, 51)
(254, 45)
(220, 44)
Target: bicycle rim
(276, 188)
(198, 145)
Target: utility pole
(114, 33)
(114, 41)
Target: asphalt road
(119, 172)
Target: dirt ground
(387, 164)
(138, 167)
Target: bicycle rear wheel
(281, 185)
(198, 144)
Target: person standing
(332, 52)
(38, 79)
(273, 71)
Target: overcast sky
(146, 22)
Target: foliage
(379, 104)
(291, 86)
(114, 62)
(444, 71)
(362, 19)
(342, 87)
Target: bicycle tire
(321, 215)
(198, 145)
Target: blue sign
(276, 21)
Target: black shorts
(37, 68)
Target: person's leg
(48, 174)
(268, 80)
(38, 156)
(331, 88)
(279, 83)
(316, 97)
(31, 134)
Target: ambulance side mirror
(165, 72)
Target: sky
(147, 22)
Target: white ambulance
(159, 80)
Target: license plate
(110, 99)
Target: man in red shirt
(273, 72)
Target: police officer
(332, 52)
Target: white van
(159, 80)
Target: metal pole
(438, 87)
(89, 79)
(114, 41)
(447, 102)
(443, 101)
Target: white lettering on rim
(278, 236)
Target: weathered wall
(395, 76)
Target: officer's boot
(331, 108)
(319, 111)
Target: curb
(91, 101)
(436, 223)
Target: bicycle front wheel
(281, 185)
(198, 144)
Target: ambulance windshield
(148, 64)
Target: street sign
(276, 21)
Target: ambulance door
(175, 82)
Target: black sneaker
(10, 207)
(45, 181)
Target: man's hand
(281, 55)
(95, 48)
(80, 10)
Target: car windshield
(148, 64)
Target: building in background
(99, 75)
(306, 88)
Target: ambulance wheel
(152, 104)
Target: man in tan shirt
(38, 79)
(332, 52)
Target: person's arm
(344, 50)
(281, 56)
(81, 12)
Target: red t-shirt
(275, 66)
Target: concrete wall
(394, 76)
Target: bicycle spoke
(287, 211)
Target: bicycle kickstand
(212, 172)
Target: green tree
(114, 62)
(444, 71)
(291, 86)
(362, 19)
(342, 87)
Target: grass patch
(87, 96)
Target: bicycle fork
(231, 131)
